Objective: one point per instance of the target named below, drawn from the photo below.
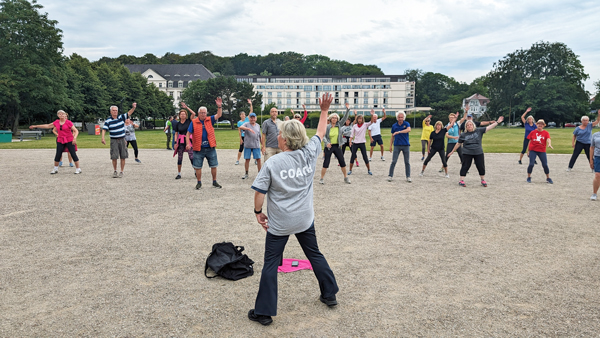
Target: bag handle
(206, 269)
(239, 249)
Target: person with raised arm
(582, 138)
(375, 133)
(539, 138)
(181, 129)
(470, 140)
(437, 145)
(130, 137)
(115, 125)
(297, 116)
(529, 127)
(427, 129)
(286, 179)
(252, 143)
(66, 137)
(333, 139)
(358, 141)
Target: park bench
(44, 130)
(31, 133)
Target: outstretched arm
(384, 114)
(595, 123)
(133, 106)
(303, 119)
(324, 102)
(251, 108)
(219, 103)
(192, 113)
(494, 124)
(42, 126)
(523, 116)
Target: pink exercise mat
(303, 264)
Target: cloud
(460, 38)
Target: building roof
(291, 78)
(176, 72)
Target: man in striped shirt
(115, 124)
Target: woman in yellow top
(427, 129)
(333, 141)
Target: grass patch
(499, 140)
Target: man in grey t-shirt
(252, 142)
(287, 180)
(595, 163)
(270, 129)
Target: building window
(326, 88)
(150, 76)
(385, 101)
(289, 101)
(180, 84)
(160, 85)
(170, 84)
(385, 94)
(366, 101)
(269, 101)
(409, 101)
(355, 94)
(337, 94)
(171, 94)
(278, 94)
(307, 94)
(345, 94)
(297, 94)
(345, 100)
(308, 88)
(289, 94)
(279, 101)
(355, 101)
(297, 102)
(317, 101)
(337, 101)
(375, 101)
(270, 94)
(366, 94)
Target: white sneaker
(245, 177)
(447, 176)
(421, 174)
(54, 171)
(383, 159)
(594, 197)
(321, 181)
(77, 171)
(237, 162)
(369, 159)
(408, 180)
(347, 180)
(568, 169)
(389, 178)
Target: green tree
(268, 107)
(32, 75)
(87, 94)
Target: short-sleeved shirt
(464, 124)
(116, 127)
(130, 133)
(65, 135)
(375, 127)
(240, 123)
(596, 143)
(537, 140)
(287, 179)
(252, 140)
(584, 135)
(182, 128)
(472, 141)
(170, 129)
(529, 129)
(205, 143)
(427, 129)
(438, 139)
(346, 131)
(453, 131)
(401, 139)
(271, 130)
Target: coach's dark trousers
(266, 300)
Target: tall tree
(32, 76)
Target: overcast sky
(461, 39)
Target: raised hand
(528, 110)
(219, 102)
(134, 104)
(249, 102)
(500, 119)
(347, 105)
(304, 107)
(325, 101)
(183, 105)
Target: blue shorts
(251, 151)
(597, 164)
(376, 140)
(211, 157)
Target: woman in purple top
(529, 127)
(357, 141)
(582, 138)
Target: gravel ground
(89, 255)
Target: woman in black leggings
(437, 145)
(130, 137)
(332, 139)
(346, 131)
(582, 138)
(66, 138)
(470, 140)
(357, 141)
(180, 132)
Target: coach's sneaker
(528, 179)
(198, 185)
(77, 171)
(264, 320)
(71, 164)
(330, 301)
(568, 169)
(549, 180)
(237, 162)
(357, 163)
(255, 162)
(594, 197)
(138, 161)
(217, 185)
(347, 180)
(441, 170)
(54, 171)
(408, 180)
(115, 174)
(520, 162)
(178, 177)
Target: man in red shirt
(538, 139)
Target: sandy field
(89, 255)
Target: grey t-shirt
(271, 130)
(287, 179)
(130, 133)
(252, 140)
(596, 143)
(472, 141)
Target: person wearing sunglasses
(66, 138)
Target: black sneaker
(178, 177)
(198, 185)
(264, 320)
(217, 185)
(328, 301)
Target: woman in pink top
(66, 138)
(357, 141)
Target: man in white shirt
(375, 133)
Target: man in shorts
(205, 142)
(115, 125)
(252, 142)
(270, 129)
(375, 133)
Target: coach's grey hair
(294, 134)
(401, 112)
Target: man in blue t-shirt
(400, 142)
(115, 124)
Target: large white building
(477, 104)
(172, 79)
(363, 93)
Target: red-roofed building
(477, 104)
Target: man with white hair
(375, 132)
(205, 143)
(400, 142)
(270, 130)
(115, 125)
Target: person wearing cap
(427, 129)
(270, 130)
(469, 117)
(252, 142)
(243, 119)
(538, 140)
